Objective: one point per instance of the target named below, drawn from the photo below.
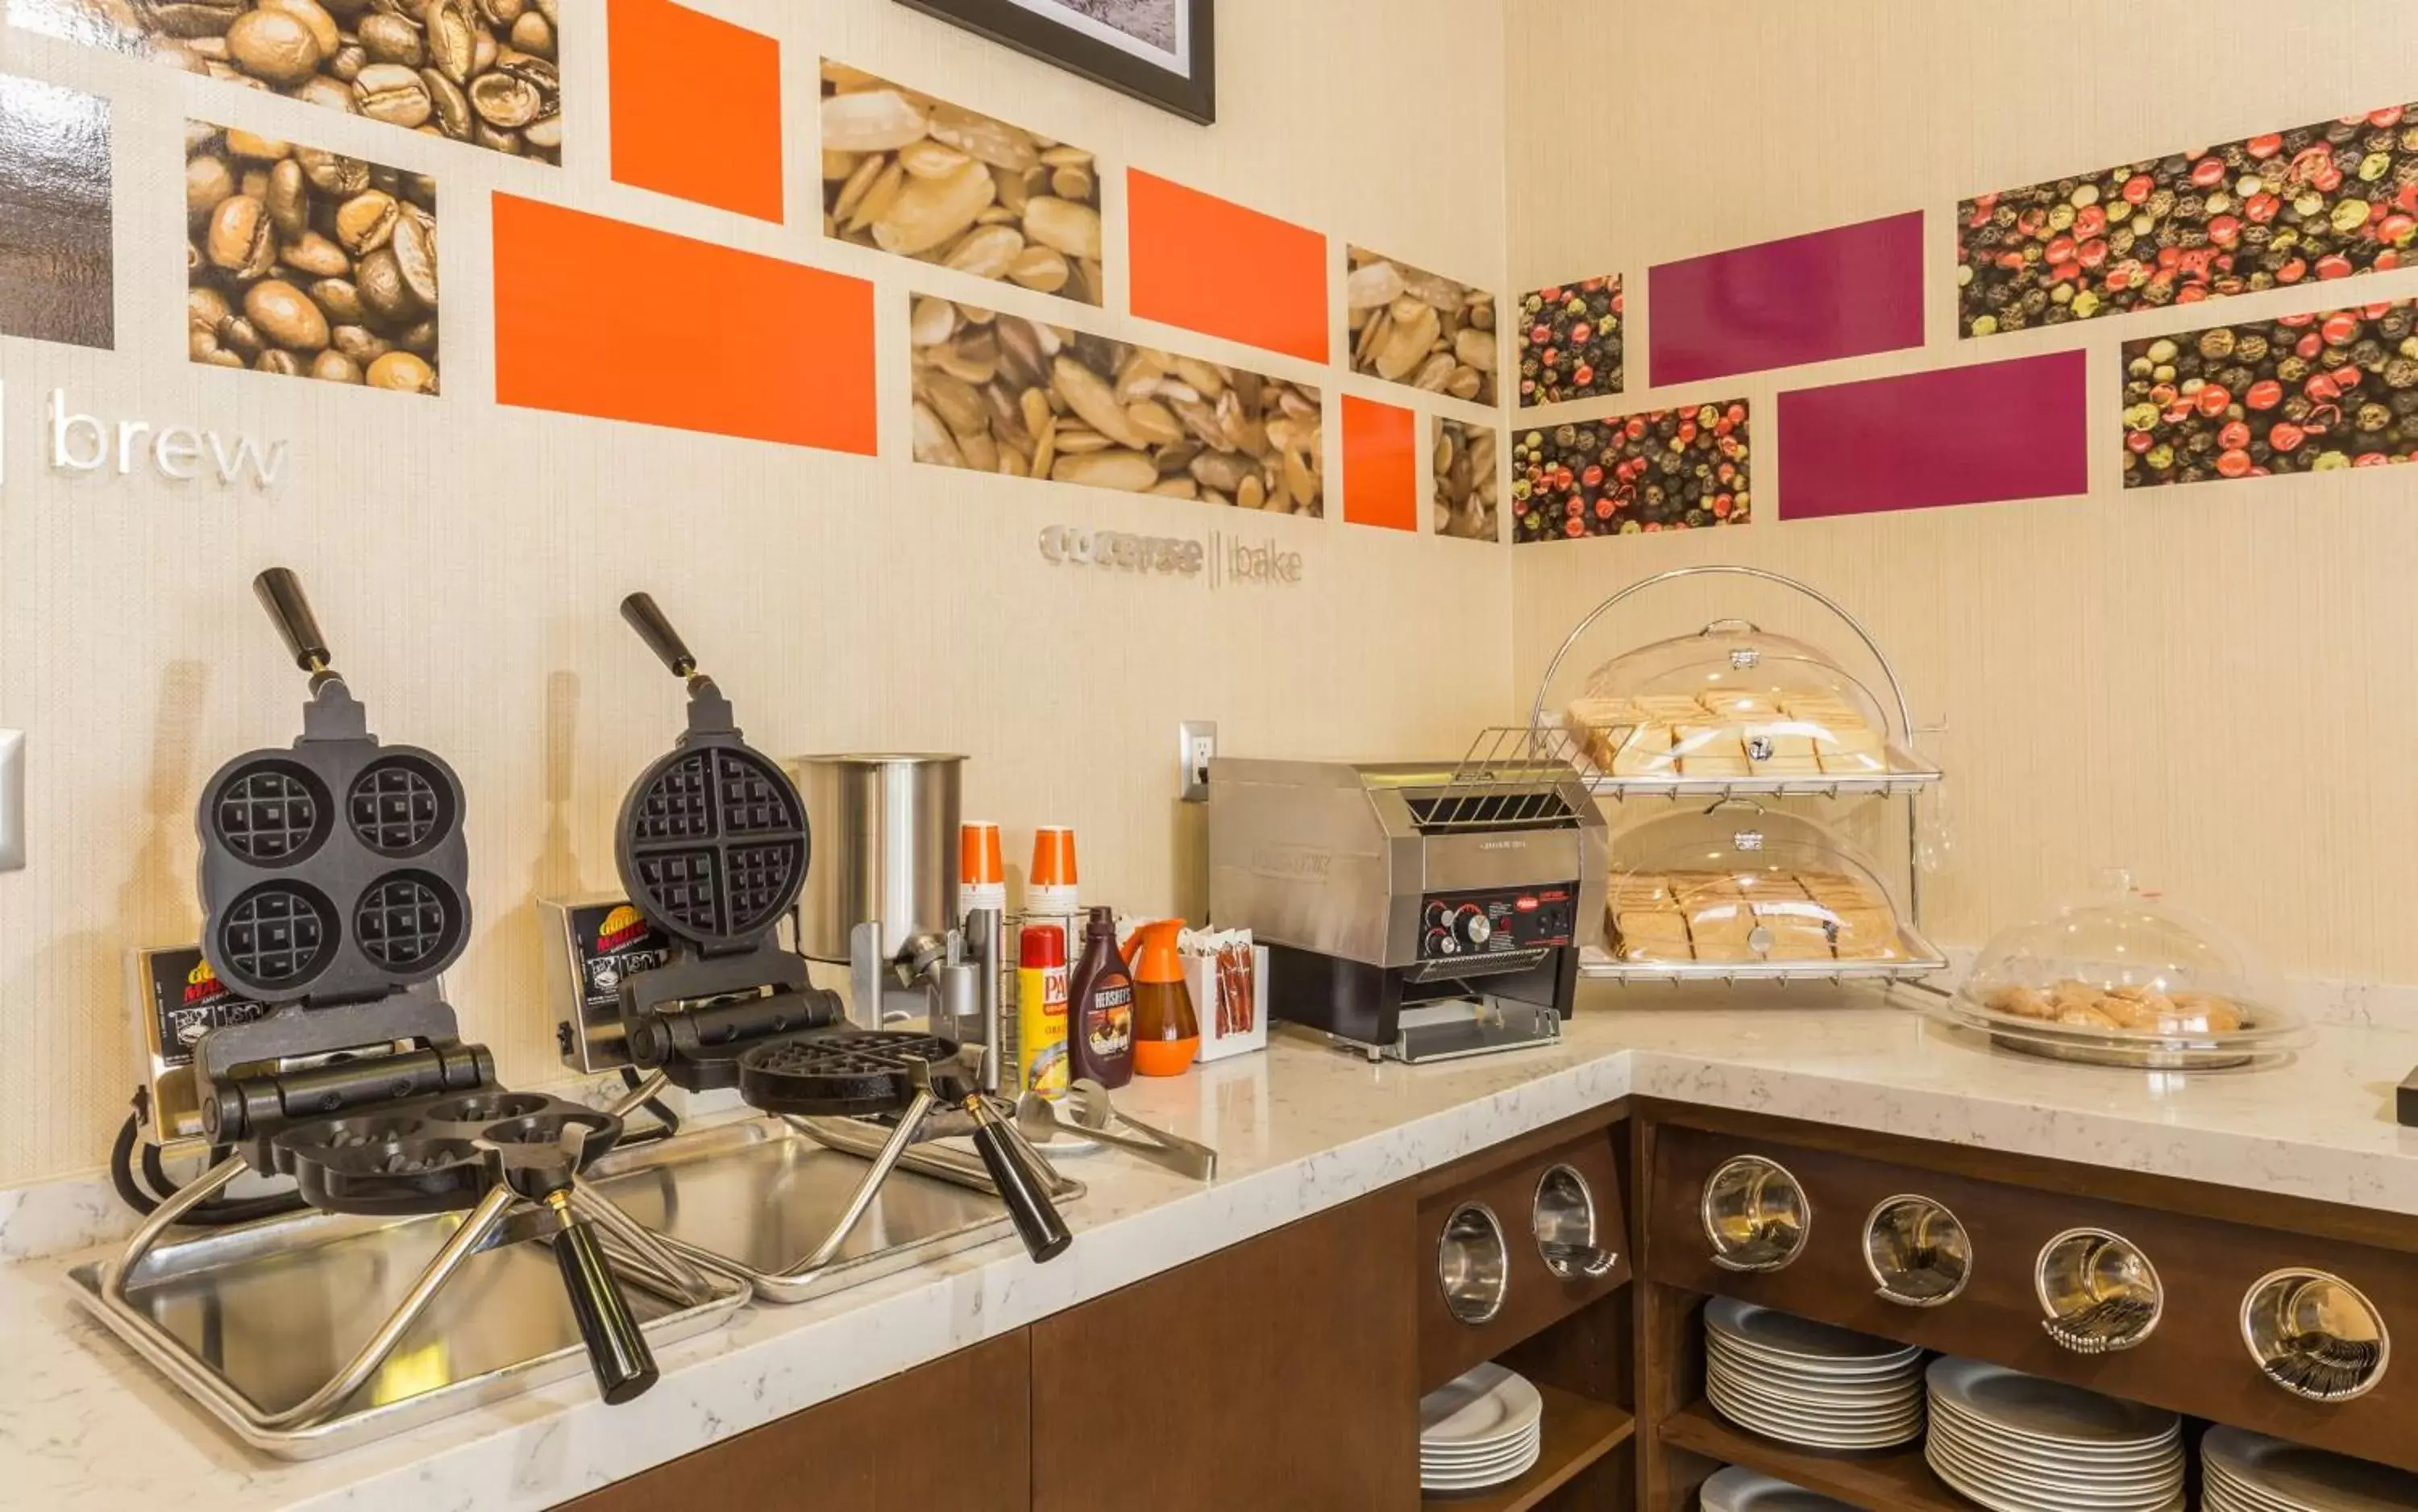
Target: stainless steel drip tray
(272, 1310)
(756, 1198)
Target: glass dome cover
(1736, 884)
(1732, 702)
(2126, 964)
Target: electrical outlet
(1196, 743)
(13, 800)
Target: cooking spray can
(1040, 1010)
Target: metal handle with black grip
(617, 1353)
(1038, 1223)
(639, 609)
(281, 594)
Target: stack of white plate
(2019, 1443)
(2251, 1473)
(1739, 1489)
(1800, 1382)
(1481, 1428)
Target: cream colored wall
(466, 559)
(2211, 685)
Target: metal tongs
(1038, 1119)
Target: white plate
(1479, 1480)
(2019, 1406)
(1872, 1414)
(1790, 1429)
(1465, 1458)
(1481, 1407)
(1739, 1489)
(2000, 1498)
(2037, 1465)
(2049, 1484)
(1843, 1392)
(1769, 1331)
(1971, 1425)
(2284, 1475)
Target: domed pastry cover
(1735, 884)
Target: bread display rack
(1731, 717)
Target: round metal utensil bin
(2315, 1335)
(885, 831)
(1917, 1251)
(2098, 1292)
(1756, 1214)
(1472, 1264)
(1562, 1217)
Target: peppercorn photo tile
(1569, 341)
(1625, 475)
(477, 70)
(1413, 326)
(2300, 393)
(55, 262)
(923, 178)
(999, 393)
(1468, 481)
(308, 264)
(2309, 204)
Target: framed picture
(1161, 51)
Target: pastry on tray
(2142, 1009)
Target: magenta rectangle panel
(1972, 435)
(1827, 294)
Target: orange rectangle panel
(1210, 264)
(696, 107)
(595, 316)
(1380, 465)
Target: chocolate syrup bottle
(1100, 1006)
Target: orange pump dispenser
(1166, 1033)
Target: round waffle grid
(405, 920)
(278, 933)
(850, 1072)
(271, 813)
(717, 844)
(397, 807)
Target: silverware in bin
(1561, 1216)
(1917, 1251)
(1756, 1214)
(2315, 1335)
(1472, 1264)
(2099, 1292)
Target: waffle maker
(712, 847)
(333, 884)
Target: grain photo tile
(919, 177)
(308, 264)
(475, 71)
(998, 393)
(1569, 341)
(2306, 205)
(1468, 485)
(56, 280)
(1625, 475)
(2300, 393)
(1412, 327)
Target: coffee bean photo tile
(1569, 341)
(1467, 481)
(1667, 469)
(1412, 327)
(308, 264)
(55, 265)
(477, 70)
(2305, 205)
(919, 177)
(998, 393)
(2300, 393)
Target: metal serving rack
(1907, 774)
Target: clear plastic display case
(1738, 889)
(2125, 978)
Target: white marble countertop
(83, 1424)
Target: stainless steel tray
(757, 1200)
(1921, 958)
(259, 1317)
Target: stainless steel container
(884, 833)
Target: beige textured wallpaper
(466, 559)
(2209, 685)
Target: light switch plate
(1196, 743)
(13, 800)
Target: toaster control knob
(1442, 942)
(1474, 928)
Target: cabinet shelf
(1894, 1481)
(1578, 1432)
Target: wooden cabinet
(954, 1434)
(1276, 1373)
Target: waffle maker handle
(639, 609)
(281, 594)
(1038, 1223)
(617, 1352)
